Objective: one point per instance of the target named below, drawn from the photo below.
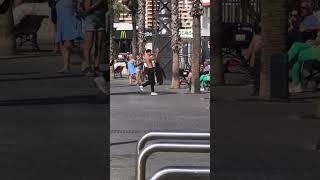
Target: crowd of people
(204, 75)
(75, 20)
(303, 40)
(144, 65)
(147, 66)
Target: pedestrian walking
(68, 30)
(150, 71)
(131, 69)
(139, 70)
(95, 30)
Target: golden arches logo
(123, 35)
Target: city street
(52, 125)
(134, 113)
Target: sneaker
(141, 88)
(101, 84)
(202, 89)
(154, 94)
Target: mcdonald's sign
(123, 35)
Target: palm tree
(196, 13)
(133, 6)
(218, 72)
(7, 37)
(175, 43)
(134, 32)
(274, 34)
(114, 8)
(141, 25)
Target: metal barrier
(170, 135)
(181, 171)
(166, 147)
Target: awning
(206, 3)
(127, 34)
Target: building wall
(184, 10)
(149, 17)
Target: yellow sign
(123, 35)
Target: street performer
(150, 70)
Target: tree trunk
(218, 70)
(111, 42)
(7, 35)
(175, 43)
(196, 47)
(134, 33)
(274, 36)
(141, 25)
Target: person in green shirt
(298, 53)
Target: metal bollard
(166, 147)
(181, 171)
(170, 135)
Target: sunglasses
(303, 7)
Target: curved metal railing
(166, 147)
(189, 171)
(171, 135)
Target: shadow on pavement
(140, 93)
(42, 78)
(26, 56)
(88, 99)
(121, 143)
(18, 73)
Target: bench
(27, 29)
(312, 68)
(118, 71)
(235, 37)
(183, 74)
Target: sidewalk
(134, 113)
(52, 125)
(264, 140)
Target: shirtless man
(150, 71)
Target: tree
(7, 37)
(134, 32)
(218, 70)
(175, 43)
(196, 13)
(274, 37)
(133, 6)
(114, 11)
(141, 25)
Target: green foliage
(118, 8)
(196, 10)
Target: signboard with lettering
(185, 33)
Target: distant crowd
(303, 40)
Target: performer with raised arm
(150, 70)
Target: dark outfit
(295, 35)
(159, 73)
(52, 5)
(151, 81)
